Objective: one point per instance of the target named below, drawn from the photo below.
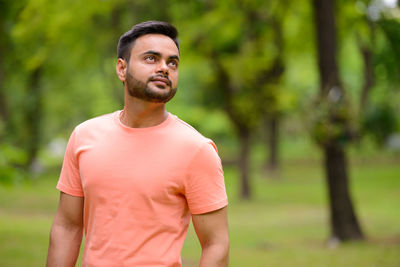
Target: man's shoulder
(96, 123)
(187, 134)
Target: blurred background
(301, 97)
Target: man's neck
(141, 114)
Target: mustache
(151, 78)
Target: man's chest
(153, 170)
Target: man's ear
(121, 69)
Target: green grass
(285, 223)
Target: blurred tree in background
(249, 70)
(241, 42)
(333, 125)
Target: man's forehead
(155, 42)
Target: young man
(131, 179)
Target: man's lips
(161, 79)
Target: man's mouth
(161, 80)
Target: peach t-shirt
(140, 186)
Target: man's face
(152, 71)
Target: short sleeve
(70, 180)
(204, 184)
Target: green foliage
(265, 49)
(389, 56)
(380, 122)
(240, 44)
(11, 161)
(332, 122)
(391, 28)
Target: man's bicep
(204, 184)
(212, 227)
(70, 210)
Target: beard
(141, 90)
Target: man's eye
(173, 64)
(150, 58)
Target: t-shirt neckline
(141, 130)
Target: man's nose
(162, 67)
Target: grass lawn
(285, 224)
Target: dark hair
(127, 39)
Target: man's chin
(160, 95)
(154, 94)
(158, 98)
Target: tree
(272, 77)
(344, 223)
(234, 40)
(373, 29)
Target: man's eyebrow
(152, 52)
(174, 57)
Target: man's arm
(212, 230)
(66, 232)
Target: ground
(285, 224)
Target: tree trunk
(368, 77)
(3, 99)
(244, 135)
(33, 114)
(326, 45)
(3, 105)
(273, 141)
(243, 130)
(344, 224)
(272, 76)
(367, 55)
